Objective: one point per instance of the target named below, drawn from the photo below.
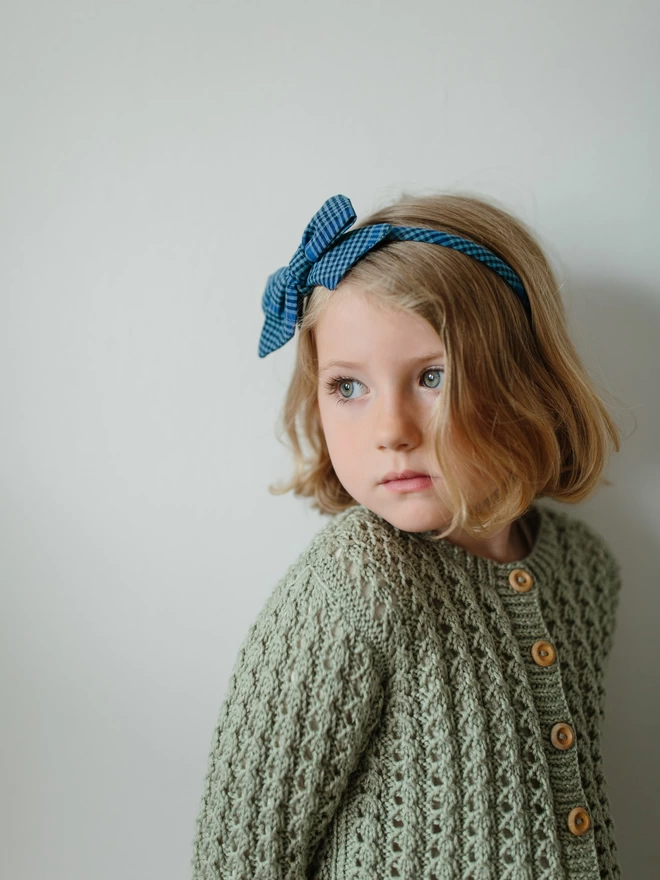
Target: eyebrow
(350, 365)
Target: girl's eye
(341, 386)
(436, 373)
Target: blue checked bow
(328, 250)
(323, 257)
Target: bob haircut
(517, 407)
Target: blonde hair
(516, 405)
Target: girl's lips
(413, 484)
(402, 475)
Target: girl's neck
(513, 542)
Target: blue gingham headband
(327, 252)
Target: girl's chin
(413, 514)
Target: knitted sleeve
(303, 698)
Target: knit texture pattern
(386, 716)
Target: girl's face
(375, 406)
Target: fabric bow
(324, 256)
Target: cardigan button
(562, 735)
(521, 580)
(543, 652)
(578, 821)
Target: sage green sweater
(403, 708)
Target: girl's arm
(303, 699)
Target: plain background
(157, 161)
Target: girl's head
(423, 359)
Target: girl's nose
(397, 427)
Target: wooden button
(562, 735)
(578, 821)
(521, 580)
(544, 653)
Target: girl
(422, 694)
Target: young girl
(422, 694)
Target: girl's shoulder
(350, 570)
(343, 563)
(349, 561)
(333, 581)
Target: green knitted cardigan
(386, 716)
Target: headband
(327, 252)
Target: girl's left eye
(341, 382)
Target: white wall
(157, 161)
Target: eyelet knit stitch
(385, 716)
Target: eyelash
(332, 385)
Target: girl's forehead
(355, 326)
(374, 348)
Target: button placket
(519, 592)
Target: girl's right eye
(340, 382)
